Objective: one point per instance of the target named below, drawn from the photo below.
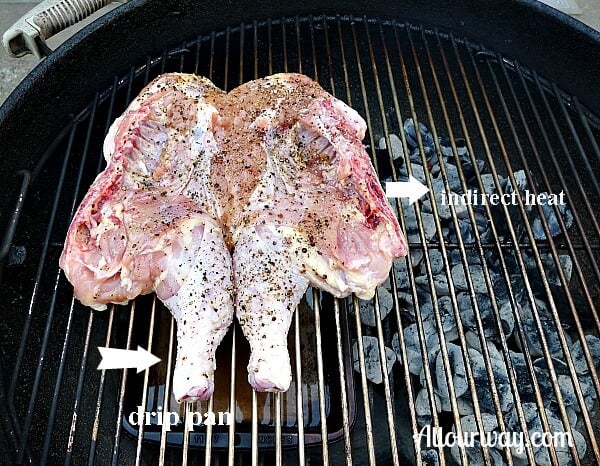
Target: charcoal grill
(503, 263)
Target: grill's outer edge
(538, 36)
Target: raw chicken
(302, 205)
(275, 171)
(151, 223)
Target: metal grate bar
(365, 100)
(209, 429)
(577, 219)
(166, 398)
(493, 302)
(197, 56)
(469, 279)
(299, 400)
(344, 65)
(584, 121)
(38, 375)
(285, 50)
(101, 386)
(364, 386)
(341, 369)
(517, 250)
(449, 277)
(553, 246)
(313, 48)
(140, 437)
(434, 294)
(565, 346)
(315, 297)
(575, 173)
(100, 398)
(359, 335)
(254, 450)
(412, 283)
(487, 276)
(270, 45)
(464, 260)
(226, 59)
(577, 139)
(316, 301)
(212, 55)
(382, 355)
(59, 377)
(321, 377)
(117, 441)
(163, 68)
(78, 392)
(542, 245)
(117, 436)
(109, 116)
(360, 350)
(298, 45)
(14, 219)
(344, 395)
(232, 403)
(511, 374)
(255, 43)
(494, 230)
(241, 57)
(277, 397)
(189, 408)
(232, 392)
(564, 281)
(520, 259)
(6, 420)
(407, 378)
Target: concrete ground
(12, 70)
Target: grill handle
(29, 34)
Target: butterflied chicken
(272, 175)
(302, 205)
(151, 223)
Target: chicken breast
(151, 223)
(304, 207)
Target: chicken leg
(268, 291)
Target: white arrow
(113, 358)
(413, 189)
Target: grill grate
(476, 105)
